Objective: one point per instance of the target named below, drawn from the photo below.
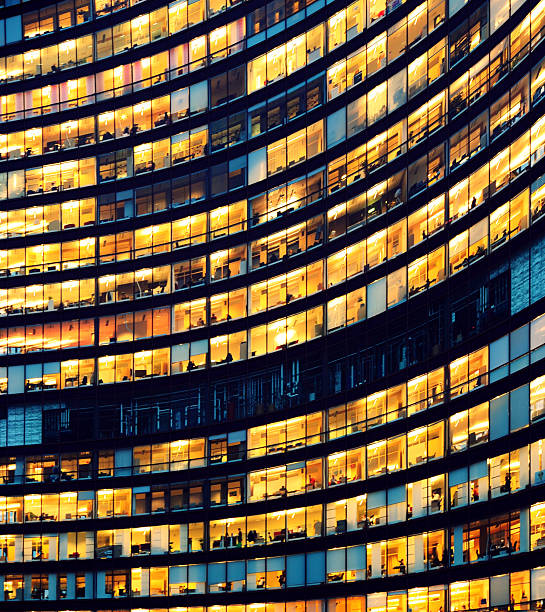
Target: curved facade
(272, 289)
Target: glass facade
(272, 299)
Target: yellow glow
(67, 45)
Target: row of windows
(349, 564)
(277, 156)
(66, 14)
(161, 111)
(124, 80)
(499, 535)
(406, 399)
(376, 53)
(339, 517)
(223, 349)
(49, 218)
(479, 482)
(180, 15)
(216, 223)
(463, 250)
(465, 595)
(425, 444)
(65, 175)
(154, 156)
(340, 125)
(165, 361)
(407, 450)
(270, 205)
(289, 57)
(128, 121)
(265, 207)
(362, 303)
(159, 24)
(193, 230)
(195, 99)
(465, 429)
(239, 303)
(506, 473)
(297, 147)
(193, 355)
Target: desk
(141, 549)
(279, 536)
(498, 549)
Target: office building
(272, 298)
